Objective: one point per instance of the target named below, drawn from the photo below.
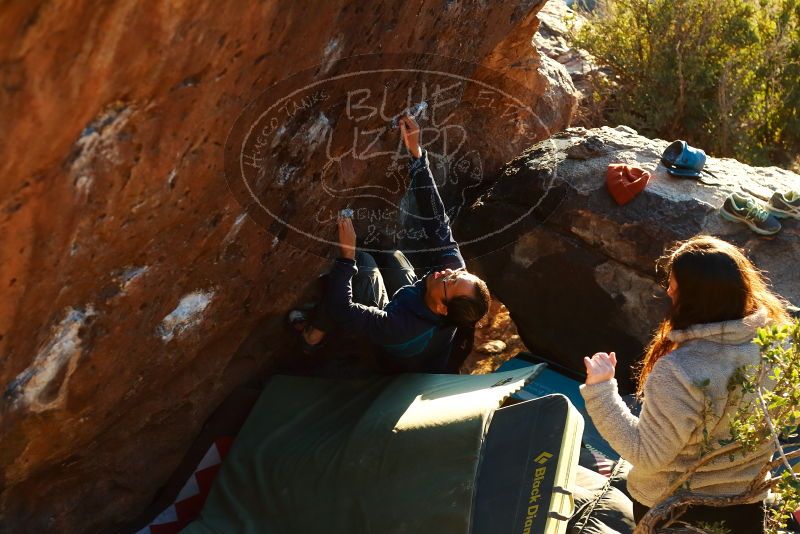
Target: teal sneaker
(785, 204)
(742, 208)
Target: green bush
(723, 75)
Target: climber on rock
(428, 324)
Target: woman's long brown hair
(716, 282)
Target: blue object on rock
(680, 159)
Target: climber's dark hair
(466, 311)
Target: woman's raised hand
(600, 367)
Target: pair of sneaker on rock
(761, 218)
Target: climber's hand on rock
(600, 367)
(347, 238)
(410, 131)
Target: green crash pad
(388, 454)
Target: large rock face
(135, 292)
(554, 40)
(579, 274)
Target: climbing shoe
(299, 321)
(784, 205)
(742, 208)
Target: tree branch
(773, 432)
(760, 477)
(730, 448)
(661, 511)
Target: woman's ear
(672, 290)
(441, 308)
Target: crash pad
(385, 454)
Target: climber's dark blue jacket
(408, 332)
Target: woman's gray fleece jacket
(685, 392)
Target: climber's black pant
(378, 278)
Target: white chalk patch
(278, 135)
(331, 47)
(34, 388)
(275, 241)
(171, 178)
(98, 141)
(188, 314)
(83, 184)
(331, 53)
(286, 173)
(235, 227)
(317, 132)
(130, 274)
